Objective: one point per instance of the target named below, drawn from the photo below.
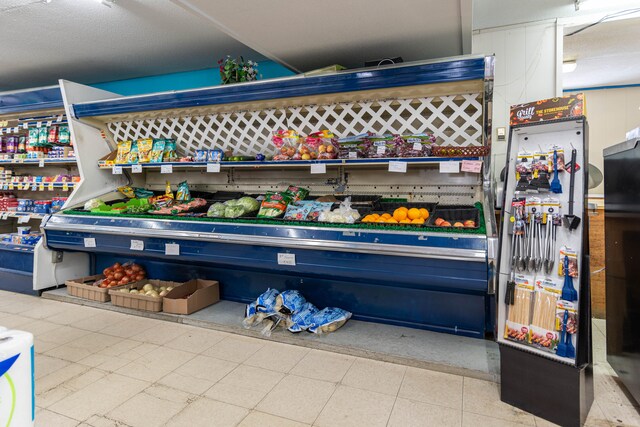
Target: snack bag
(52, 137)
(289, 302)
(33, 137)
(144, 150)
(298, 211)
(43, 136)
(183, 194)
(274, 205)
(215, 155)
(127, 191)
(298, 193)
(132, 157)
(64, 135)
(302, 319)
(287, 143)
(328, 320)
(169, 151)
(123, 152)
(317, 208)
(157, 151)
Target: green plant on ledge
(233, 70)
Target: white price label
(41, 163)
(16, 129)
(49, 123)
(286, 259)
(89, 242)
(400, 167)
(116, 170)
(213, 167)
(23, 219)
(381, 150)
(318, 168)
(136, 168)
(25, 126)
(166, 169)
(450, 167)
(5, 215)
(417, 146)
(39, 124)
(353, 154)
(59, 119)
(137, 245)
(171, 249)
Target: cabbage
(249, 203)
(93, 204)
(231, 203)
(216, 210)
(233, 211)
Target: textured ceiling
(84, 41)
(606, 54)
(306, 34)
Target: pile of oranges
(401, 215)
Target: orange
(375, 217)
(424, 213)
(405, 221)
(413, 213)
(417, 221)
(403, 208)
(400, 214)
(385, 216)
(367, 219)
(381, 220)
(391, 221)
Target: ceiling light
(569, 66)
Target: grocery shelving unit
(24, 268)
(416, 277)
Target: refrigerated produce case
(26, 266)
(420, 276)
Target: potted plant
(235, 70)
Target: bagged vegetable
(328, 320)
(298, 193)
(323, 145)
(216, 210)
(287, 142)
(289, 302)
(249, 204)
(344, 214)
(234, 211)
(298, 211)
(317, 208)
(183, 194)
(303, 318)
(93, 204)
(274, 205)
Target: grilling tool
(569, 293)
(572, 221)
(511, 284)
(564, 349)
(555, 185)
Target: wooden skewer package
(519, 315)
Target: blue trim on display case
(457, 69)
(30, 100)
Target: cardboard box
(199, 294)
(137, 301)
(84, 288)
(108, 160)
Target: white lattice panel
(455, 120)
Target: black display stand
(536, 376)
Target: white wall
(527, 68)
(611, 113)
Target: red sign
(548, 109)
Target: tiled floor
(99, 368)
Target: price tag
(59, 119)
(38, 124)
(41, 187)
(5, 215)
(26, 186)
(137, 245)
(318, 168)
(19, 186)
(400, 167)
(116, 170)
(21, 160)
(286, 259)
(450, 167)
(171, 249)
(381, 149)
(166, 169)
(49, 123)
(417, 146)
(474, 166)
(136, 168)
(51, 186)
(1, 131)
(16, 129)
(41, 163)
(23, 219)
(14, 160)
(65, 186)
(11, 186)
(25, 125)
(353, 154)
(89, 242)
(213, 167)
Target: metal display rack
(436, 280)
(23, 268)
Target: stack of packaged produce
(24, 236)
(292, 311)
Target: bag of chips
(169, 151)
(157, 151)
(144, 150)
(132, 157)
(183, 194)
(123, 152)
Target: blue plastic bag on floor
(289, 302)
(303, 318)
(328, 320)
(266, 303)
